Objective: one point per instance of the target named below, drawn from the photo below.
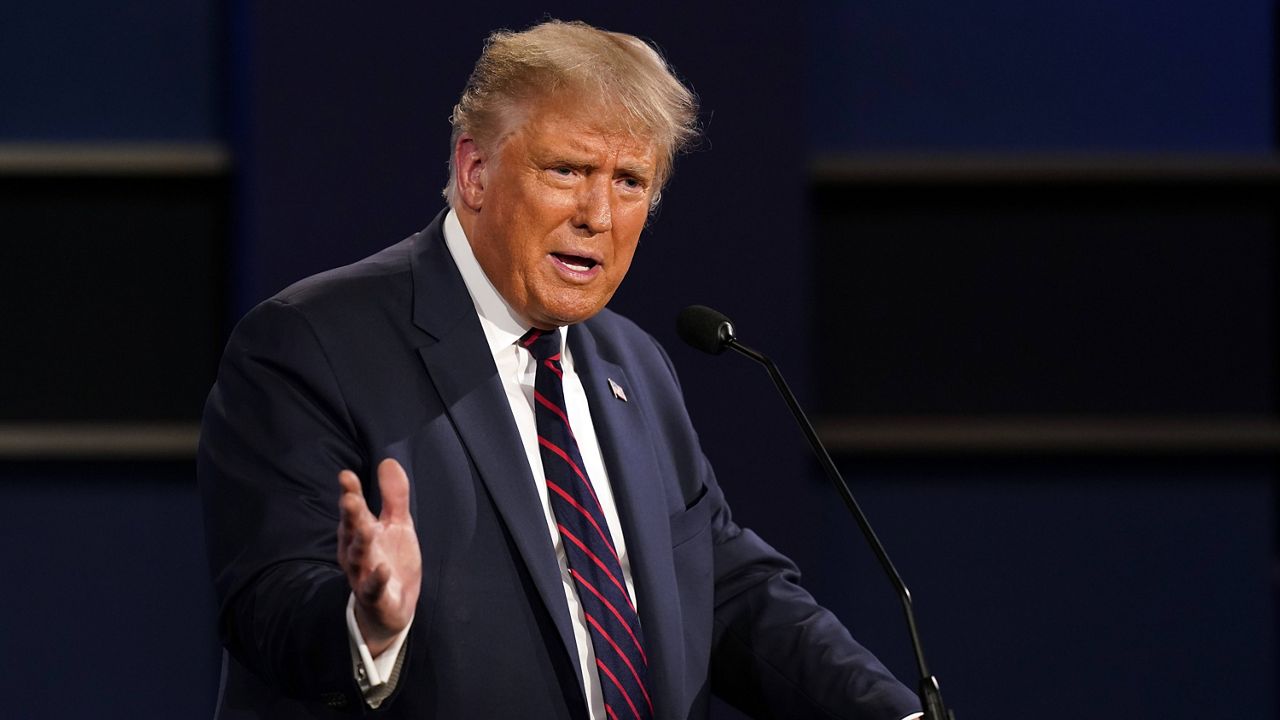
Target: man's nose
(595, 210)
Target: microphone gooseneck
(711, 332)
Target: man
(544, 538)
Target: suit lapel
(463, 372)
(634, 473)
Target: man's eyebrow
(564, 157)
(583, 158)
(639, 170)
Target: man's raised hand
(380, 555)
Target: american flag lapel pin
(617, 390)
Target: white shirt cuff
(377, 670)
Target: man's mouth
(577, 263)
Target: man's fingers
(349, 481)
(353, 512)
(393, 483)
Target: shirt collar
(502, 325)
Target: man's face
(562, 204)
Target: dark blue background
(1051, 587)
(1054, 75)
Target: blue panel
(82, 70)
(1065, 590)
(108, 612)
(1097, 75)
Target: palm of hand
(380, 555)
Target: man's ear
(470, 163)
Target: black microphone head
(704, 328)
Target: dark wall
(1046, 243)
(113, 283)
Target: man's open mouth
(575, 262)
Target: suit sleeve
(776, 653)
(274, 436)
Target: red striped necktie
(593, 561)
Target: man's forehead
(586, 130)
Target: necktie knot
(542, 344)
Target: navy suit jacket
(386, 358)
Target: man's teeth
(576, 263)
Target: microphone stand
(930, 694)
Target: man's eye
(563, 171)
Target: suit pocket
(693, 521)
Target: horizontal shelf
(955, 435)
(81, 441)
(1040, 168)
(114, 159)
(1053, 435)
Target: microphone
(711, 332)
(704, 329)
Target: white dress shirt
(503, 327)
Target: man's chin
(561, 314)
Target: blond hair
(516, 69)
